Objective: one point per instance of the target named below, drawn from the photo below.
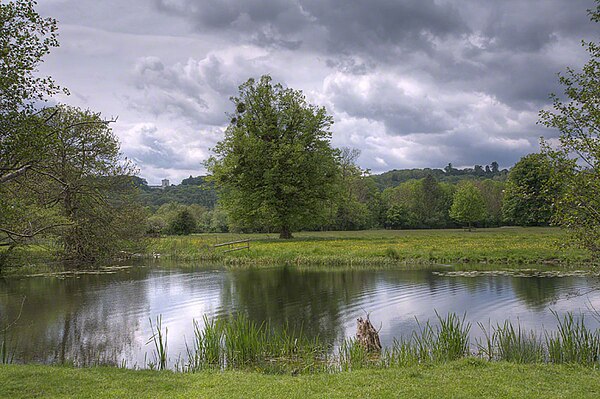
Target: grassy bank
(498, 246)
(467, 378)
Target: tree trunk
(285, 233)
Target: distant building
(163, 184)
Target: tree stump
(367, 335)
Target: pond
(105, 316)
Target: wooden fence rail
(232, 245)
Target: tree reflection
(538, 292)
(85, 319)
(305, 299)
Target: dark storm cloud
(274, 23)
(412, 83)
(498, 47)
(528, 26)
(338, 27)
(384, 101)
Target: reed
(505, 342)
(243, 344)
(159, 339)
(354, 356)
(403, 353)
(240, 343)
(445, 342)
(573, 342)
(7, 355)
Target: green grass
(467, 378)
(497, 246)
(239, 343)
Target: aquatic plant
(159, 339)
(7, 354)
(505, 342)
(445, 342)
(240, 343)
(573, 342)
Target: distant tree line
(522, 197)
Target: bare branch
(13, 234)
(15, 174)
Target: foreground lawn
(468, 378)
(500, 245)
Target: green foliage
(529, 195)
(468, 205)
(60, 169)
(357, 205)
(576, 157)
(450, 174)
(163, 220)
(184, 223)
(418, 204)
(193, 190)
(493, 196)
(91, 186)
(275, 167)
(26, 38)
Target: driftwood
(367, 335)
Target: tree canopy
(529, 192)
(468, 206)
(25, 38)
(576, 157)
(275, 167)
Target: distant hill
(449, 174)
(197, 190)
(193, 190)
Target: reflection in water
(105, 317)
(539, 292)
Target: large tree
(468, 206)
(576, 157)
(275, 168)
(529, 193)
(25, 38)
(92, 186)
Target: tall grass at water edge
(446, 341)
(240, 343)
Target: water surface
(106, 316)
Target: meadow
(501, 246)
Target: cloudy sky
(411, 83)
